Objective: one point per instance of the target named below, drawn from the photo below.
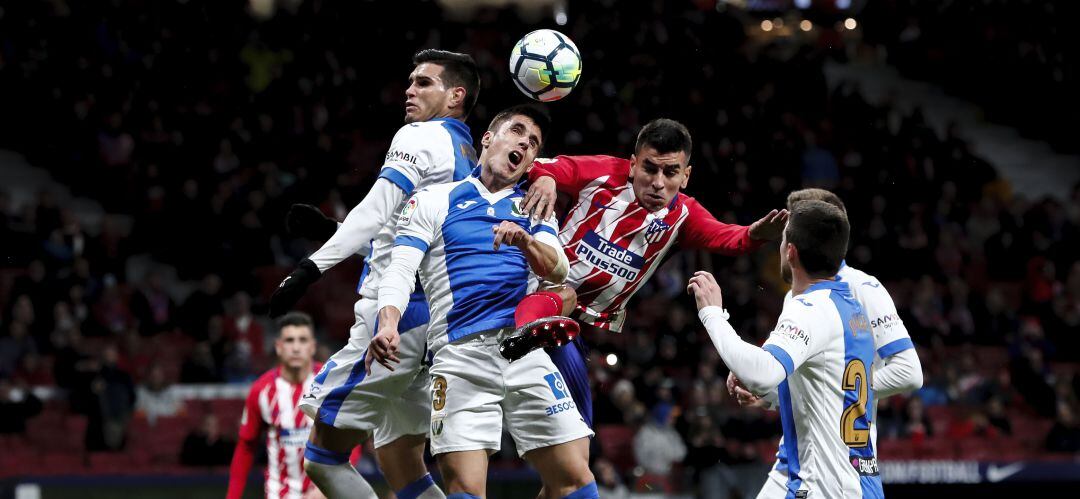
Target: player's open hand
(383, 349)
(740, 393)
(539, 202)
(705, 290)
(770, 227)
(510, 233)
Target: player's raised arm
(408, 157)
(703, 230)
(760, 369)
(561, 174)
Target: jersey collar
(835, 284)
(454, 123)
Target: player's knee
(569, 299)
(319, 462)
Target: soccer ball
(545, 65)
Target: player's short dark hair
(297, 319)
(665, 136)
(801, 195)
(820, 232)
(459, 70)
(537, 115)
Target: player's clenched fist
(511, 233)
(705, 290)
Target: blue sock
(320, 455)
(587, 492)
(414, 489)
(462, 495)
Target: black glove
(293, 287)
(305, 220)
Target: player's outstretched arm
(565, 174)
(702, 230)
(353, 236)
(759, 370)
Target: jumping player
(474, 248)
(434, 147)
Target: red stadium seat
(617, 444)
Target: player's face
(658, 177)
(427, 95)
(295, 346)
(509, 151)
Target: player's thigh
(335, 439)
(344, 395)
(409, 413)
(563, 467)
(539, 409)
(364, 312)
(570, 360)
(464, 472)
(466, 391)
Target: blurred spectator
(152, 306)
(916, 424)
(111, 401)
(608, 482)
(997, 417)
(657, 446)
(156, 397)
(200, 306)
(1064, 436)
(15, 347)
(206, 445)
(200, 367)
(17, 404)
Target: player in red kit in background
(272, 405)
(625, 215)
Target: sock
(536, 306)
(587, 492)
(332, 473)
(423, 488)
(462, 495)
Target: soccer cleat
(542, 333)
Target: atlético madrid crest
(655, 231)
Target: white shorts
(775, 486)
(475, 391)
(392, 403)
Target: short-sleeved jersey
(470, 286)
(422, 154)
(272, 405)
(614, 244)
(824, 341)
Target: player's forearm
(546, 257)
(902, 373)
(354, 235)
(759, 371)
(400, 278)
(243, 458)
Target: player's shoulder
(422, 135)
(591, 162)
(440, 191)
(855, 277)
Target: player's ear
(686, 177)
(457, 97)
(485, 140)
(633, 165)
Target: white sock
(334, 475)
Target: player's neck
(801, 281)
(295, 375)
(491, 182)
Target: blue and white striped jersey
(470, 286)
(824, 341)
(422, 154)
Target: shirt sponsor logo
(858, 324)
(793, 332)
(866, 466)
(560, 407)
(609, 257)
(884, 321)
(395, 155)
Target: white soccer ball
(545, 65)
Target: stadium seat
(617, 445)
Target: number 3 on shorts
(438, 393)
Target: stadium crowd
(196, 127)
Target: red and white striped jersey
(614, 244)
(273, 405)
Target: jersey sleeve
(547, 232)
(354, 235)
(793, 340)
(702, 230)
(251, 422)
(418, 225)
(572, 173)
(410, 157)
(890, 334)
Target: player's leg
(571, 360)
(541, 321)
(546, 426)
(466, 413)
(326, 462)
(464, 472)
(402, 435)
